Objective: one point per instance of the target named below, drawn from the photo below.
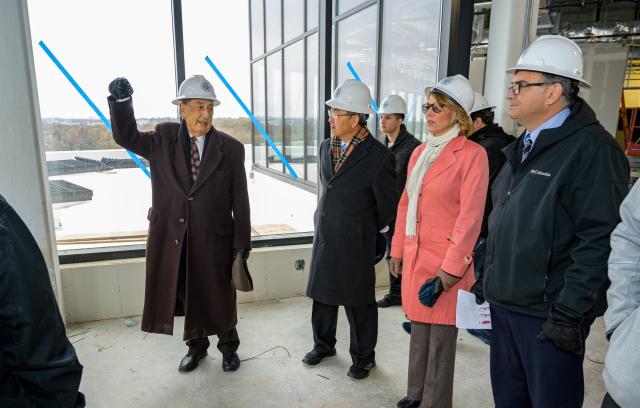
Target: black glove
(430, 291)
(476, 289)
(120, 88)
(564, 331)
(244, 253)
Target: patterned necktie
(528, 145)
(195, 159)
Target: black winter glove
(430, 291)
(244, 253)
(563, 331)
(476, 289)
(120, 88)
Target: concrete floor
(124, 367)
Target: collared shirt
(343, 147)
(553, 122)
(199, 143)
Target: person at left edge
(198, 223)
(357, 199)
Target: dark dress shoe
(390, 300)
(407, 402)
(360, 373)
(314, 356)
(230, 362)
(190, 361)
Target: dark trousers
(363, 323)
(227, 343)
(608, 402)
(527, 373)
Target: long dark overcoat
(208, 218)
(355, 202)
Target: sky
(97, 41)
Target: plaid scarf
(339, 159)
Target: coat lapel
(211, 161)
(358, 153)
(446, 159)
(180, 165)
(326, 165)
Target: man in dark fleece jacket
(555, 204)
(401, 143)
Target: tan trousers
(432, 356)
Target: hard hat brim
(481, 109)
(552, 71)
(332, 103)
(428, 90)
(182, 98)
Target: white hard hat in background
(458, 88)
(393, 104)
(352, 96)
(196, 87)
(552, 54)
(480, 103)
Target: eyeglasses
(515, 87)
(334, 114)
(433, 106)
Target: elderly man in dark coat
(358, 194)
(199, 219)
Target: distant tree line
(89, 135)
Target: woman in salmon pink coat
(438, 223)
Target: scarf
(434, 146)
(339, 159)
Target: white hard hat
(393, 104)
(196, 87)
(458, 88)
(480, 103)
(352, 96)
(552, 54)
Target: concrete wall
(112, 289)
(24, 181)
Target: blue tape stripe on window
(253, 119)
(374, 105)
(90, 102)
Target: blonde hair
(458, 114)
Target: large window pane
(274, 21)
(294, 106)
(293, 18)
(311, 128)
(356, 43)
(98, 194)
(313, 9)
(259, 149)
(346, 5)
(410, 54)
(257, 28)
(274, 108)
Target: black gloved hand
(430, 291)
(563, 331)
(476, 289)
(120, 88)
(244, 253)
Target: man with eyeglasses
(357, 198)
(555, 203)
(199, 221)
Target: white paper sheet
(469, 314)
